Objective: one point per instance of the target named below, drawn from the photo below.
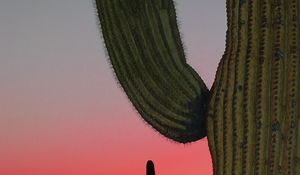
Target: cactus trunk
(254, 111)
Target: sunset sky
(62, 111)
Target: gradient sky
(61, 110)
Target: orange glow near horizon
(80, 148)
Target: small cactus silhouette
(251, 115)
(150, 168)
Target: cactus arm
(145, 50)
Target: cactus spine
(251, 114)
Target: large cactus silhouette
(251, 115)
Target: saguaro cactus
(251, 115)
(150, 168)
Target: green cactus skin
(251, 115)
(254, 110)
(146, 53)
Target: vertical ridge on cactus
(251, 115)
(229, 92)
(263, 88)
(239, 81)
(250, 76)
(293, 79)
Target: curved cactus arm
(146, 53)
